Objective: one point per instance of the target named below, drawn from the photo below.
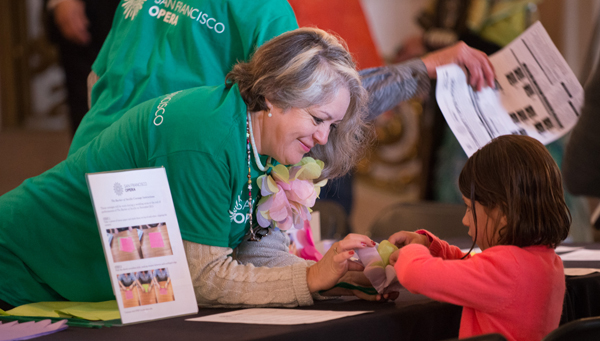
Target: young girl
(517, 215)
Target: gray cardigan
(389, 85)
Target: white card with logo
(142, 244)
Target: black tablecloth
(410, 317)
(417, 320)
(582, 298)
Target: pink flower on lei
(288, 193)
(305, 238)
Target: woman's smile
(304, 146)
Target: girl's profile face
(486, 223)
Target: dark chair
(442, 219)
(485, 337)
(581, 330)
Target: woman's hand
(336, 262)
(358, 278)
(479, 67)
(392, 296)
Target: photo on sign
(138, 242)
(145, 287)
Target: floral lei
(288, 193)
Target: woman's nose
(322, 134)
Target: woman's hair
(517, 174)
(303, 68)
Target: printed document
(536, 94)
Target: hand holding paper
(479, 67)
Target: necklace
(256, 158)
(255, 235)
(250, 201)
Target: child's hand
(394, 257)
(404, 238)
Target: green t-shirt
(49, 240)
(166, 45)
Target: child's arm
(437, 247)
(485, 282)
(440, 248)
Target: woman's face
(289, 135)
(486, 223)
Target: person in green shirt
(156, 47)
(300, 94)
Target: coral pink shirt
(517, 292)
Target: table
(410, 317)
(582, 298)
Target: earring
(270, 115)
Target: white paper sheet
(580, 271)
(562, 248)
(277, 316)
(537, 94)
(581, 255)
(140, 237)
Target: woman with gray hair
(300, 94)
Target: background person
(158, 47)
(166, 58)
(78, 27)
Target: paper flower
(377, 269)
(305, 238)
(288, 193)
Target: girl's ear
(501, 219)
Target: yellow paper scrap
(42, 309)
(92, 311)
(103, 311)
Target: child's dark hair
(517, 174)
